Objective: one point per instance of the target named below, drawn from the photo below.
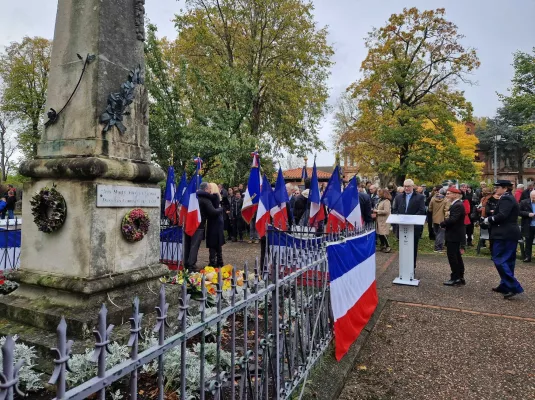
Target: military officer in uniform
(505, 235)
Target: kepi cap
(453, 189)
(503, 183)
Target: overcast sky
(496, 28)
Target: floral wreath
(49, 209)
(135, 225)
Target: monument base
(42, 300)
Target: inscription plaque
(127, 196)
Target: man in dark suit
(455, 235)
(365, 202)
(527, 212)
(411, 203)
(192, 243)
(525, 194)
(505, 235)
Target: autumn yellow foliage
(466, 142)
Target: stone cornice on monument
(88, 168)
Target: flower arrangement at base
(211, 276)
(49, 209)
(7, 286)
(135, 225)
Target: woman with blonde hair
(382, 211)
(215, 236)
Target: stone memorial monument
(94, 151)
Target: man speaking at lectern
(411, 203)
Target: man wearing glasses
(411, 203)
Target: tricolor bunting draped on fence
(10, 239)
(170, 244)
(353, 289)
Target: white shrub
(29, 380)
(83, 369)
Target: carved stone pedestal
(97, 134)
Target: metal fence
(10, 238)
(257, 340)
(170, 244)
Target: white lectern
(406, 246)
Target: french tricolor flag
(170, 189)
(182, 186)
(252, 194)
(332, 198)
(279, 212)
(265, 205)
(353, 288)
(317, 213)
(190, 206)
(350, 199)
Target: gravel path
(422, 353)
(236, 253)
(439, 342)
(480, 276)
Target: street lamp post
(496, 139)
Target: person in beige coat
(382, 211)
(438, 207)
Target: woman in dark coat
(215, 236)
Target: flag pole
(200, 170)
(286, 217)
(321, 205)
(183, 233)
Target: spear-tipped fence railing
(10, 237)
(268, 328)
(170, 244)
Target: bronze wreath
(135, 225)
(49, 209)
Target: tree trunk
(401, 175)
(400, 178)
(255, 117)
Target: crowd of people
(8, 202)
(221, 211)
(451, 215)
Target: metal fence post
(133, 342)
(183, 316)
(276, 323)
(102, 336)
(63, 352)
(161, 310)
(10, 375)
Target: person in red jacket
(467, 224)
(518, 192)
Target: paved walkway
(439, 342)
